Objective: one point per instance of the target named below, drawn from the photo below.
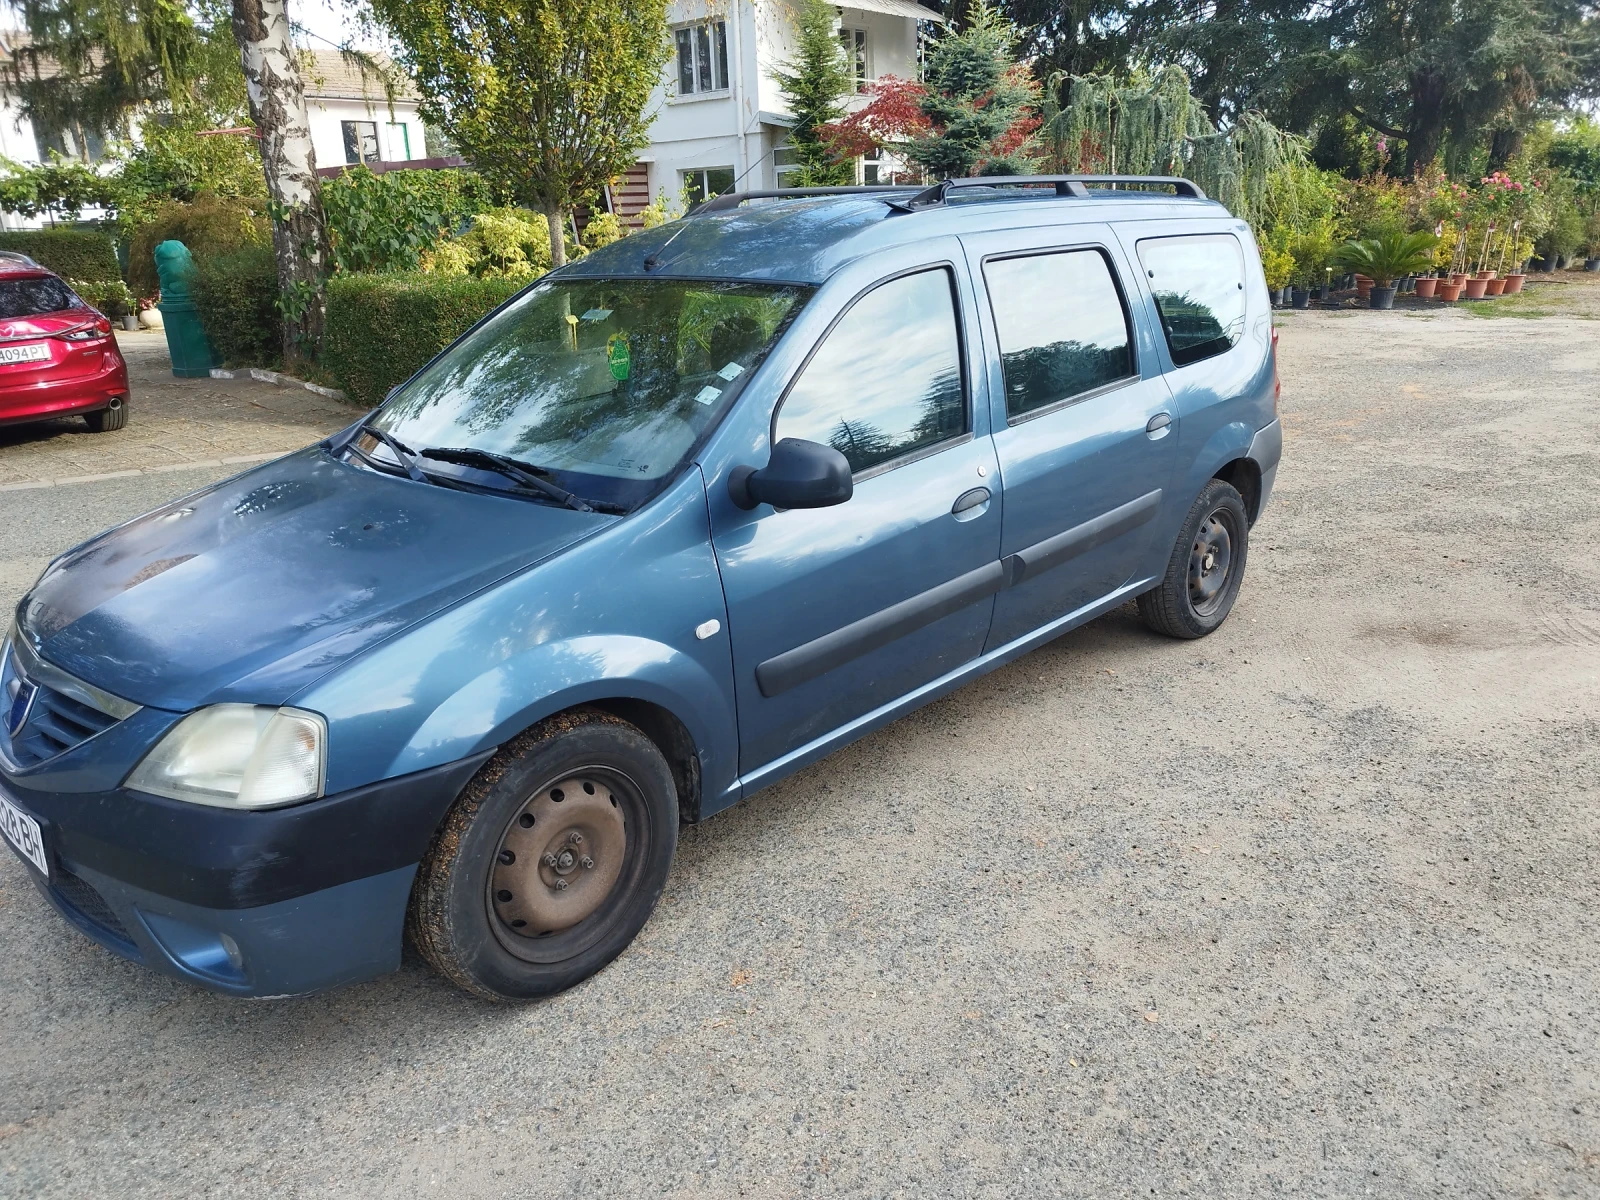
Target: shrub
(381, 328)
(510, 243)
(110, 296)
(603, 229)
(71, 253)
(387, 222)
(210, 226)
(236, 296)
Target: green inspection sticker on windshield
(617, 356)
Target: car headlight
(238, 756)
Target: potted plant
(1591, 234)
(1277, 264)
(1386, 258)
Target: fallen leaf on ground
(1152, 1016)
(740, 977)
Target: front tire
(1205, 569)
(550, 860)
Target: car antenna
(653, 260)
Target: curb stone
(279, 378)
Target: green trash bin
(187, 343)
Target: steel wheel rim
(551, 894)
(1211, 557)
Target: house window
(854, 42)
(360, 141)
(706, 182)
(702, 57)
(785, 162)
(400, 138)
(874, 168)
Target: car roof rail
(732, 200)
(1065, 185)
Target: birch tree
(545, 97)
(278, 108)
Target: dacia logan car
(675, 521)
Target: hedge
(210, 226)
(380, 328)
(73, 253)
(237, 299)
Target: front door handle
(1158, 422)
(970, 498)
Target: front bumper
(273, 903)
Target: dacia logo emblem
(21, 703)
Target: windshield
(607, 384)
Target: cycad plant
(1389, 256)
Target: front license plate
(23, 832)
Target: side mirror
(799, 474)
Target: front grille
(88, 904)
(53, 722)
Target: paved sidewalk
(174, 424)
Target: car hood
(257, 586)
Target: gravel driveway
(1308, 907)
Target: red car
(58, 356)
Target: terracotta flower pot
(1514, 282)
(1458, 276)
(1425, 286)
(1494, 287)
(1475, 288)
(1484, 275)
(1363, 286)
(1449, 290)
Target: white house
(721, 119)
(352, 120)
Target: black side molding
(821, 655)
(1080, 539)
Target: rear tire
(1205, 569)
(113, 417)
(550, 860)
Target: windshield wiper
(522, 473)
(404, 454)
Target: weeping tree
(1156, 126)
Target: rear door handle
(970, 498)
(1158, 422)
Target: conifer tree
(816, 90)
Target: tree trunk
(1425, 130)
(558, 240)
(1505, 145)
(278, 107)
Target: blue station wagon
(675, 521)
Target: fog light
(202, 951)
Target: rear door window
(1063, 330)
(886, 381)
(31, 297)
(1198, 283)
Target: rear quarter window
(31, 297)
(1198, 282)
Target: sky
(330, 22)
